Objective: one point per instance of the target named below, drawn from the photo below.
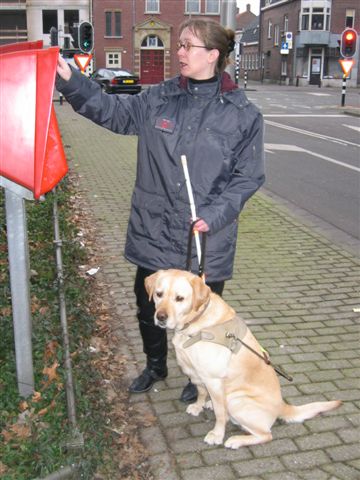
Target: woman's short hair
(214, 36)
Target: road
(312, 151)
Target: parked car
(117, 80)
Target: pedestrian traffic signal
(348, 43)
(74, 31)
(54, 40)
(86, 37)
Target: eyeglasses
(188, 45)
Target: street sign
(284, 48)
(289, 39)
(346, 65)
(82, 60)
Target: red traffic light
(348, 43)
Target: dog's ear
(201, 292)
(150, 283)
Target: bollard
(297, 80)
(245, 79)
(343, 91)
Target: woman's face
(196, 62)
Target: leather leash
(265, 357)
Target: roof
(243, 19)
(251, 32)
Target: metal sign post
(15, 196)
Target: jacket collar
(226, 83)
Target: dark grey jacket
(221, 134)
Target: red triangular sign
(82, 60)
(346, 65)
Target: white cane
(192, 204)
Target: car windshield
(123, 73)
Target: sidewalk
(298, 292)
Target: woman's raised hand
(63, 69)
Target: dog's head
(176, 294)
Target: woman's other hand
(201, 226)
(63, 69)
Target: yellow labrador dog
(241, 385)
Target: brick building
(314, 30)
(140, 35)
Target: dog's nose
(161, 317)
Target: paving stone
(296, 289)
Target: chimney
(248, 7)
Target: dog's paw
(194, 409)
(233, 442)
(213, 438)
(209, 405)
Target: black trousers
(154, 338)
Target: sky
(255, 4)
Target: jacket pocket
(223, 240)
(146, 214)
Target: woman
(200, 114)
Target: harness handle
(189, 249)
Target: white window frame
(269, 29)
(112, 64)
(209, 2)
(286, 23)
(276, 35)
(350, 13)
(190, 2)
(284, 68)
(149, 8)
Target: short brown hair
(214, 36)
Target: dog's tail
(292, 413)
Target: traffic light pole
(343, 91)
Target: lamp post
(228, 20)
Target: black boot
(190, 393)
(154, 339)
(146, 380)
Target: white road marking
(312, 134)
(337, 115)
(357, 129)
(270, 147)
(319, 94)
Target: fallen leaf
(51, 372)
(36, 397)
(23, 405)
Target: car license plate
(128, 81)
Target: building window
(70, 17)
(349, 18)
(212, 7)
(152, 6)
(50, 19)
(117, 24)
(108, 31)
(276, 35)
(269, 29)
(112, 24)
(286, 23)
(152, 41)
(113, 59)
(284, 68)
(317, 19)
(305, 19)
(192, 6)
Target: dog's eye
(159, 294)
(179, 298)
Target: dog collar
(194, 318)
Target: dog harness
(225, 334)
